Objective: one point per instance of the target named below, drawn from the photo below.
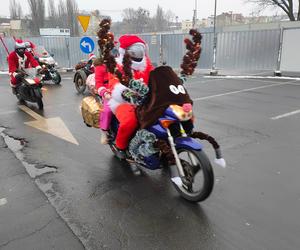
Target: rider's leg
(126, 116)
(105, 119)
(13, 84)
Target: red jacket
(101, 79)
(13, 61)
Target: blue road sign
(87, 45)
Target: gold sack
(91, 110)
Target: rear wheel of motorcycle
(40, 103)
(202, 183)
(57, 78)
(80, 84)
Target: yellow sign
(84, 21)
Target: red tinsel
(190, 59)
(106, 44)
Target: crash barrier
(241, 50)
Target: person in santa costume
(124, 99)
(18, 60)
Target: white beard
(138, 66)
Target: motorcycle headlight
(56, 64)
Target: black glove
(39, 70)
(19, 76)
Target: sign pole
(4, 45)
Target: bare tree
(162, 20)
(72, 11)
(37, 13)
(288, 6)
(53, 14)
(159, 20)
(15, 10)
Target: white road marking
(3, 201)
(54, 126)
(238, 91)
(67, 78)
(286, 115)
(254, 77)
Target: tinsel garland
(106, 44)
(192, 55)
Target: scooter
(29, 89)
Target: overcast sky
(181, 8)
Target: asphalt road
(255, 203)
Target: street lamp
(195, 15)
(214, 70)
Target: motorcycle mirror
(52, 54)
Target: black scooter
(29, 89)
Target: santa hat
(127, 40)
(92, 56)
(20, 44)
(30, 44)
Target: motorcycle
(192, 175)
(30, 86)
(83, 70)
(48, 65)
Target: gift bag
(91, 110)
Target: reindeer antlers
(192, 55)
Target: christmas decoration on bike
(91, 110)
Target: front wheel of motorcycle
(40, 103)
(56, 78)
(198, 182)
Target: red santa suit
(16, 62)
(125, 112)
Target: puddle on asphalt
(16, 146)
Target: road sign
(87, 45)
(84, 21)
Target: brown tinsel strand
(192, 55)
(127, 70)
(106, 44)
(166, 150)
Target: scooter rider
(18, 60)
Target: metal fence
(242, 50)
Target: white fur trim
(117, 92)
(139, 66)
(177, 180)
(116, 97)
(122, 51)
(113, 104)
(221, 162)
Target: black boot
(14, 90)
